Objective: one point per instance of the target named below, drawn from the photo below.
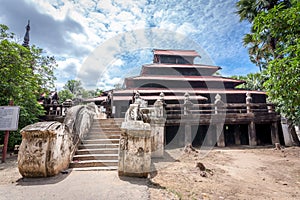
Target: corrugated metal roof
(173, 52)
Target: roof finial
(26, 37)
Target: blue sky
(102, 41)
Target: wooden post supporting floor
(237, 134)
(188, 134)
(209, 138)
(274, 133)
(252, 134)
(220, 132)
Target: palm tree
(261, 47)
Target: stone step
(93, 163)
(102, 136)
(107, 168)
(120, 120)
(101, 141)
(108, 123)
(95, 157)
(97, 151)
(97, 146)
(104, 132)
(105, 129)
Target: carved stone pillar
(157, 124)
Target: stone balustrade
(48, 147)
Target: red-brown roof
(190, 90)
(173, 52)
(102, 98)
(123, 98)
(186, 78)
(182, 66)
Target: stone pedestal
(158, 135)
(135, 149)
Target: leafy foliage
(283, 72)
(261, 47)
(274, 45)
(253, 81)
(74, 89)
(25, 74)
(64, 95)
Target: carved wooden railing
(177, 110)
(56, 109)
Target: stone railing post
(218, 103)
(157, 123)
(248, 102)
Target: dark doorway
(198, 134)
(244, 134)
(263, 134)
(174, 136)
(229, 134)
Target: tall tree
(283, 71)
(25, 74)
(261, 47)
(74, 86)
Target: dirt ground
(225, 173)
(230, 173)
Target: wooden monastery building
(194, 96)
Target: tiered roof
(174, 73)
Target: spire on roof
(26, 37)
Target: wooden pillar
(209, 138)
(188, 134)
(274, 133)
(237, 135)
(220, 132)
(252, 134)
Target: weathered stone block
(135, 149)
(48, 147)
(43, 149)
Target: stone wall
(48, 147)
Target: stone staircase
(99, 150)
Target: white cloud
(73, 29)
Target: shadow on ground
(44, 180)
